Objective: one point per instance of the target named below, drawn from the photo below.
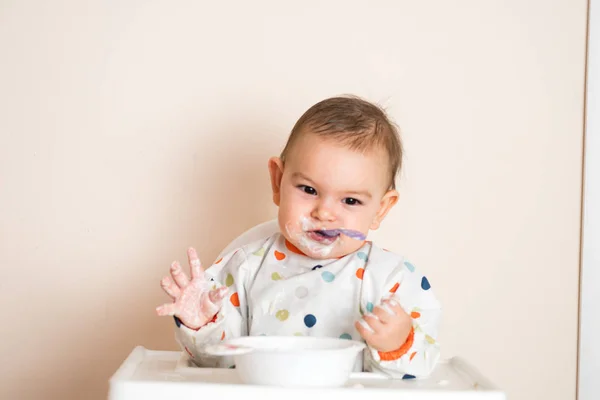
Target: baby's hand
(387, 328)
(194, 303)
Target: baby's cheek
(350, 246)
(295, 220)
(365, 219)
(357, 221)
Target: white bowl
(291, 361)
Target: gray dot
(301, 292)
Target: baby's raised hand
(194, 303)
(387, 327)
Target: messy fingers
(195, 264)
(169, 287)
(166, 309)
(364, 330)
(395, 306)
(211, 303)
(217, 296)
(178, 276)
(373, 322)
(384, 313)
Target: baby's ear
(388, 201)
(276, 173)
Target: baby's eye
(308, 189)
(351, 201)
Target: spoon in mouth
(348, 232)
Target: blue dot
(370, 307)
(425, 284)
(409, 266)
(328, 276)
(407, 376)
(316, 267)
(177, 322)
(310, 320)
(345, 336)
(362, 256)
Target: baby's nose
(324, 212)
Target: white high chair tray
(157, 375)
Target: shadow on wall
(229, 192)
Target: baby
(333, 183)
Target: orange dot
(219, 260)
(279, 255)
(396, 286)
(293, 248)
(223, 335)
(360, 273)
(415, 314)
(235, 299)
(413, 355)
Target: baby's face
(324, 185)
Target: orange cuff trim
(396, 354)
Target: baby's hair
(352, 122)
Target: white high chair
(263, 230)
(157, 375)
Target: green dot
(275, 276)
(229, 280)
(282, 315)
(298, 334)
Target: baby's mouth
(330, 235)
(323, 236)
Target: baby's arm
(225, 279)
(420, 352)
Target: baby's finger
(166, 309)
(217, 296)
(178, 276)
(169, 287)
(211, 303)
(395, 306)
(195, 264)
(373, 322)
(364, 330)
(384, 312)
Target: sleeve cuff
(179, 323)
(396, 354)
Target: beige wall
(130, 130)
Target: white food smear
(323, 250)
